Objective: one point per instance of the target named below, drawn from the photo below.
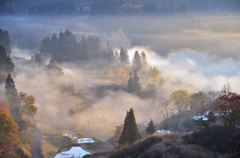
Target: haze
(201, 51)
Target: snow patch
(163, 131)
(85, 140)
(70, 135)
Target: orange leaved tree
(9, 140)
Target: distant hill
(99, 7)
(162, 6)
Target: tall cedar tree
(136, 65)
(130, 132)
(151, 128)
(133, 84)
(10, 89)
(143, 59)
(124, 58)
(6, 62)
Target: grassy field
(53, 142)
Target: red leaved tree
(117, 133)
(28, 109)
(228, 107)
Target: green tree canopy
(151, 128)
(130, 131)
(10, 89)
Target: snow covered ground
(163, 131)
(85, 140)
(70, 135)
(77, 152)
(80, 140)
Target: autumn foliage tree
(8, 132)
(28, 109)
(180, 100)
(117, 133)
(228, 108)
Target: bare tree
(213, 96)
(166, 112)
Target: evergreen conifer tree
(10, 87)
(5, 60)
(143, 59)
(151, 128)
(130, 132)
(53, 67)
(12, 99)
(136, 65)
(124, 58)
(54, 43)
(134, 84)
(5, 40)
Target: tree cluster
(66, 47)
(6, 64)
(22, 106)
(16, 121)
(5, 40)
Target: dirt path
(36, 143)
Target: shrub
(216, 138)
